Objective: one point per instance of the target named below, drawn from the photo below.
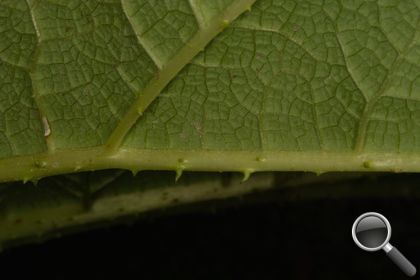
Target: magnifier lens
(371, 232)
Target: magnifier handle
(401, 261)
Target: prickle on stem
(260, 159)
(182, 161)
(33, 180)
(134, 172)
(247, 173)
(77, 168)
(40, 164)
(367, 164)
(179, 171)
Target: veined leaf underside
(284, 83)
(220, 85)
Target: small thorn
(34, 181)
(178, 171)
(318, 172)
(260, 159)
(367, 164)
(248, 8)
(40, 164)
(77, 167)
(247, 173)
(182, 161)
(134, 172)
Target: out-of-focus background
(260, 236)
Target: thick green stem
(60, 162)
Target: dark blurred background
(259, 236)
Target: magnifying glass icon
(371, 231)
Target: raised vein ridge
(172, 67)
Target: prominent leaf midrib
(32, 168)
(168, 71)
(165, 73)
(40, 165)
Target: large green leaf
(286, 84)
(232, 85)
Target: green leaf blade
(286, 86)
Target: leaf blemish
(47, 129)
(225, 23)
(199, 128)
